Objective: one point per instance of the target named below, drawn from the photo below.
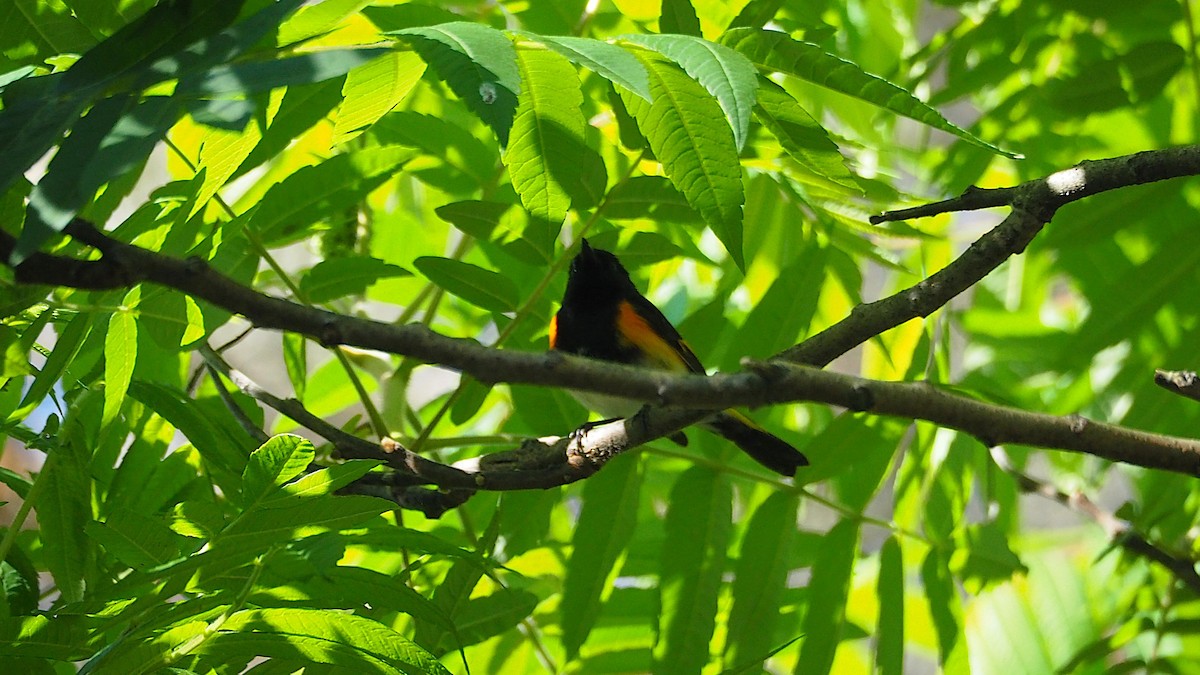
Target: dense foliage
(435, 163)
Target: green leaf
(372, 90)
(220, 48)
(474, 217)
(29, 128)
(470, 160)
(693, 561)
(244, 78)
(804, 139)
(345, 640)
(546, 147)
(322, 482)
(606, 524)
(36, 29)
(162, 31)
(60, 194)
(70, 339)
(609, 61)
(774, 51)
(678, 16)
(827, 591)
(335, 278)
(136, 539)
(257, 530)
(295, 360)
(481, 287)
(690, 136)
(366, 586)
(19, 583)
(889, 645)
(725, 73)
(983, 556)
(215, 446)
(650, 197)
(120, 355)
(231, 114)
(144, 655)
(279, 460)
(302, 107)
(944, 605)
(62, 638)
(483, 617)
(480, 65)
(761, 578)
(314, 20)
(129, 141)
(450, 596)
(66, 504)
(304, 197)
(787, 308)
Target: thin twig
(1120, 532)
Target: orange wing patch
(635, 330)
(553, 331)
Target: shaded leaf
(761, 578)
(889, 647)
(335, 278)
(824, 620)
(678, 16)
(481, 287)
(697, 532)
(260, 76)
(606, 523)
(312, 192)
(480, 65)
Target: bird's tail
(765, 448)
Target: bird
(604, 316)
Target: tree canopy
(275, 300)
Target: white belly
(606, 405)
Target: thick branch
(1033, 204)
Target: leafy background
(421, 162)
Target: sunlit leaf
(693, 140)
(726, 74)
(774, 51)
(373, 89)
(334, 278)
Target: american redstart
(603, 316)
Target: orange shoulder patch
(553, 331)
(658, 352)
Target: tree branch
(568, 459)
(1033, 204)
(1182, 382)
(1120, 532)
